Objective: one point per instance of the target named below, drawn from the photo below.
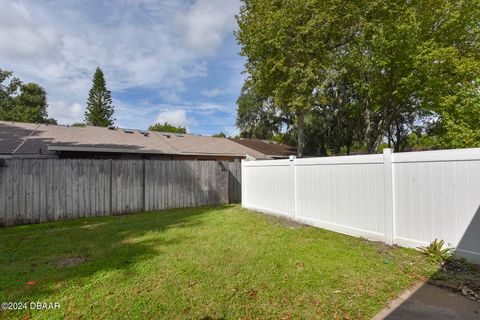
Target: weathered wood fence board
(40, 190)
(235, 181)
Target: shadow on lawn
(32, 253)
(452, 292)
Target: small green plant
(436, 251)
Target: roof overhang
(139, 151)
(27, 156)
(277, 156)
(97, 149)
(212, 154)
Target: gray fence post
(144, 190)
(110, 200)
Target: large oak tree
(367, 70)
(22, 102)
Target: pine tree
(99, 104)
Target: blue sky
(164, 60)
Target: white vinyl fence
(408, 199)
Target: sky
(164, 60)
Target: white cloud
(231, 131)
(209, 108)
(175, 117)
(21, 37)
(214, 92)
(203, 118)
(171, 96)
(66, 113)
(138, 44)
(207, 23)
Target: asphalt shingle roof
(28, 138)
(267, 147)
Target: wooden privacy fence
(40, 190)
(407, 198)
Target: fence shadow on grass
(440, 296)
(33, 253)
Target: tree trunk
(323, 150)
(301, 134)
(398, 134)
(396, 144)
(373, 135)
(373, 144)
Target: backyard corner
(200, 263)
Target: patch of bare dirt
(291, 224)
(70, 262)
(287, 223)
(460, 277)
(384, 248)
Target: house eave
(111, 150)
(137, 151)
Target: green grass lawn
(202, 263)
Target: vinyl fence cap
(291, 158)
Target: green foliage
(31, 103)
(219, 135)
(459, 123)
(79, 124)
(167, 127)
(421, 141)
(286, 45)
(51, 121)
(368, 71)
(8, 92)
(257, 118)
(100, 109)
(22, 102)
(436, 251)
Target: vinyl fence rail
(40, 190)
(408, 199)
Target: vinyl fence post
(242, 183)
(389, 197)
(294, 174)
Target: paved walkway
(426, 301)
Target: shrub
(436, 251)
